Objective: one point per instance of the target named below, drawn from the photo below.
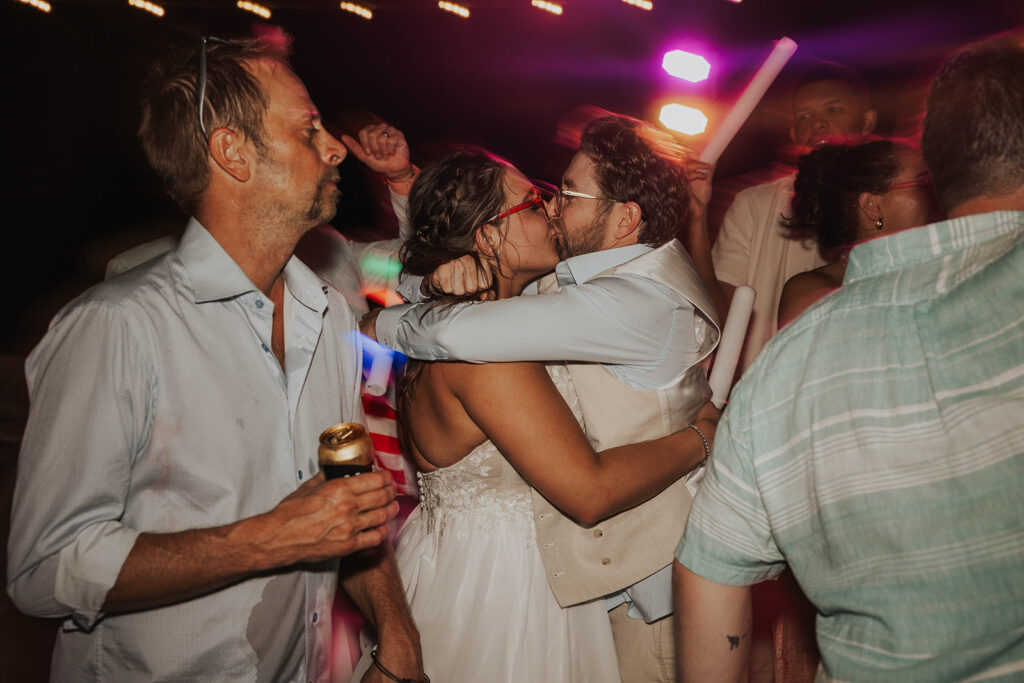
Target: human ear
(870, 205)
(486, 240)
(629, 219)
(869, 122)
(231, 152)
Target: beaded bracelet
(707, 448)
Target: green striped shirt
(877, 448)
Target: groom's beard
(584, 241)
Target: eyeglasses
(536, 199)
(920, 182)
(201, 81)
(561, 193)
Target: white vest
(584, 563)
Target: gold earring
(878, 223)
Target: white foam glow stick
(380, 372)
(783, 50)
(733, 334)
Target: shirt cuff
(88, 568)
(387, 324)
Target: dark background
(75, 185)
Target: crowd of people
(583, 516)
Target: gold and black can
(345, 450)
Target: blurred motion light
(547, 6)
(686, 65)
(38, 4)
(683, 119)
(150, 7)
(642, 4)
(453, 8)
(259, 10)
(357, 9)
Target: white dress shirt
(633, 324)
(157, 405)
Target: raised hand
(383, 149)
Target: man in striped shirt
(877, 445)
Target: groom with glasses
(628, 312)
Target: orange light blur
(547, 6)
(454, 9)
(358, 10)
(258, 10)
(147, 6)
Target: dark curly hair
(637, 163)
(829, 182)
(169, 131)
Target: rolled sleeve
(728, 538)
(90, 391)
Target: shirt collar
(918, 245)
(578, 269)
(215, 275)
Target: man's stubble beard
(585, 241)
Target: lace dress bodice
(483, 485)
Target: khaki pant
(647, 652)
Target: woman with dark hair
(844, 195)
(483, 434)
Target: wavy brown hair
(637, 163)
(450, 199)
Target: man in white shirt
(634, 313)
(830, 104)
(168, 503)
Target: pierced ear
(870, 121)
(629, 220)
(231, 152)
(870, 205)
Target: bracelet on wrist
(383, 670)
(406, 176)
(704, 441)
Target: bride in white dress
(479, 433)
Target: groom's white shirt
(643, 332)
(637, 326)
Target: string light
(258, 10)
(642, 4)
(453, 8)
(150, 7)
(38, 4)
(683, 119)
(547, 6)
(364, 12)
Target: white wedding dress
(475, 581)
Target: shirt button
(315, 617)
(598, 533)
(265, 347)
(300, 475)
(606, 560)
(259, 303)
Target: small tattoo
(734, 641)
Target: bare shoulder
(802, 290)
